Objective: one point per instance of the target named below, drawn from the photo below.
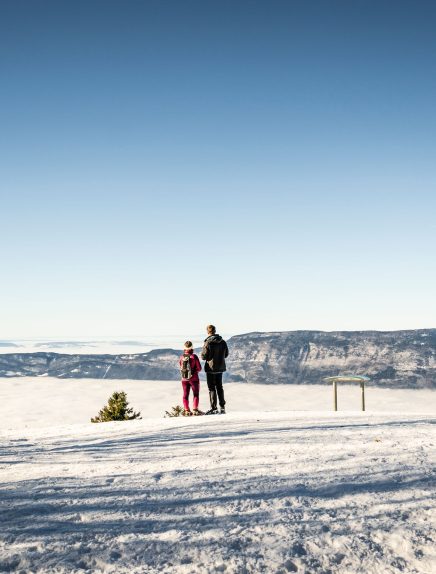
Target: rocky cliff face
(394, 358)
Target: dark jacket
(214, 352)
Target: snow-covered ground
(309, 491)
(44, 401)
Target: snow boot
(211, 412)
(197, 413)
(222, 411)
(187, 413)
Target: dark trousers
(215, 386)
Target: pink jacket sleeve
(197, 364)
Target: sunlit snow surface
(44, 401)
(254, 491)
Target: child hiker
(189, 368)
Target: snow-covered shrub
(116, 410)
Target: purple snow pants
(187, 386)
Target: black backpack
(185, 367)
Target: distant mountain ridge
(389, 358)
(158, 364)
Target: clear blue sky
(262, 165)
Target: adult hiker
(190, 366)
(214, 352)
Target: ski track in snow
(276, 492)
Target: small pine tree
(177, 411)
(116, 410)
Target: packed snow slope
(238, 493)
